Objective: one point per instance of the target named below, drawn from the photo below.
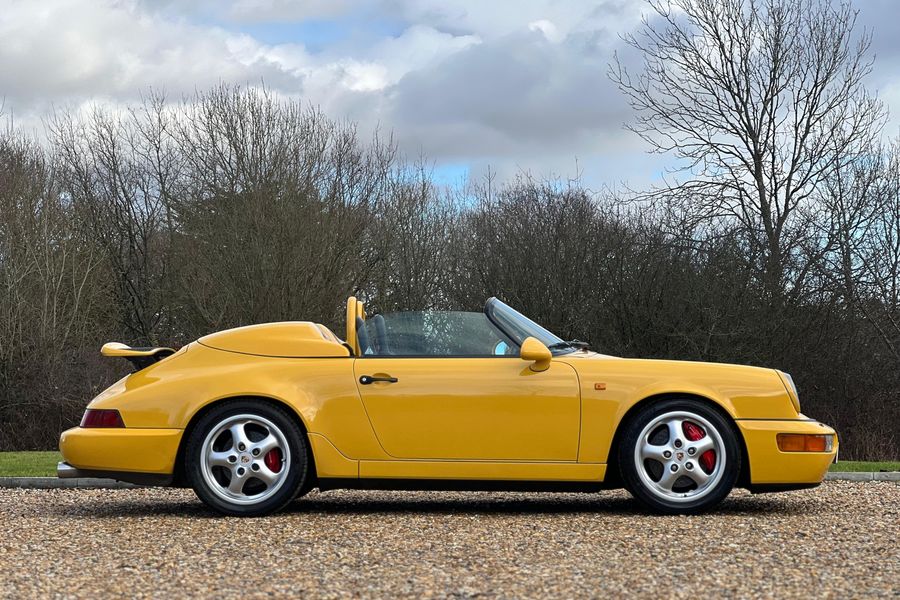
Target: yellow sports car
(253, 417)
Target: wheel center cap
(679, 456)
(245, 459)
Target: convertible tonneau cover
(141, 358)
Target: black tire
(678, 499)
(296, 461)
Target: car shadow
(182, 504)
(509, 504)
(439, 503)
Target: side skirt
(457, 485)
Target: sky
(506, 85)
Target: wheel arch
(179, 478)
(614, 477)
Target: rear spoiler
(141, 358)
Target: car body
(441, 400)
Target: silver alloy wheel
(236, 463)
(672, 469)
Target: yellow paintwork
(351, 323)
(744, 392)
(794, 399)
(329, 460)
(480, 408)
(445, 418)
(495, 471)
(770, 465)
(355, 309)
(281, 340)
(120, 349)
(135, 450)
(533, 350)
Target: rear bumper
(118, 451)
(770, 468)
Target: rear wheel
(246, 458)
(679, 456)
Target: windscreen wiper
(578, 344)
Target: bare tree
(408, 244)
(759, 100)
(275, 202)
(51, 291)
(533, 243)
(865, 208)
(119, 169)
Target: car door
(471, 408)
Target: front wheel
(246, 458)
(679, 457)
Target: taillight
(97, 417)
(798, 442)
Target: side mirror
(534, 350)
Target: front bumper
(117, 452)
(772, 468)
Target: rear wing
(141, 358)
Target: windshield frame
(517, 327)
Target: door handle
(369, 379)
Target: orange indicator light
(797, 442)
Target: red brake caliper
(273, 460)
(693, 433)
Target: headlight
(791, 388)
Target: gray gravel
(840, 540)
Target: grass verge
(29, 464)
(43, 464)
(865, 467)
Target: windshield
(518, 326)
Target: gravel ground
(840, 540)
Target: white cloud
(547, 28)
(64, 50)
(264, 10)
(59, 50)
(511, 84)
(485, 18)
(419, 47)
